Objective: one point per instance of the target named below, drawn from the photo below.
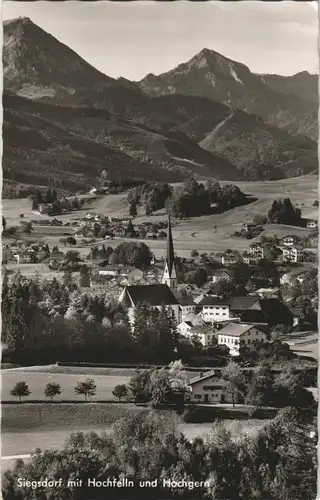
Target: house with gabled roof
(290, 240)
(229, 258)
(235, 333)
(261, 250)
(220, 275)
(187, 306)
(205, 334)
(293, 253)
(294, 275)
(214, 308)
(184, 328)
(208, 388)
(263, 311)
(188, 289)
(251, 258)
(312, 224)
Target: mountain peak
(37, 65)
(204, 58)
(18, 20)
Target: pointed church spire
(170, 273)
(170, 249)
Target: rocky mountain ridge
(63, 116)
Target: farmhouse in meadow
(209, 388)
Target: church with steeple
(170, 272)
(157, 295)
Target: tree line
(278, 462)
(260, 388)
(189, 199)
(127, 253)
(283, 212)
(151, 195)
(53, 320)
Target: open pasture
(12, 208)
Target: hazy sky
(133, 39)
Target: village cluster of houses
(213, 320)
(199, 314)
(27, 254)
(290, 249)
(207, 317)
(115, 227)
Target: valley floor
(193, 234)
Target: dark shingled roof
(256, 310)
(276, 311)
(186, 301)
(243, 303)
(202, 376)
(212, 301)
(236, 329)
(271, 311)
(154, 295)
(200, 329)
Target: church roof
(153, 295)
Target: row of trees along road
(86, 388)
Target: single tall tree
(133, 209)
(20, 390)
(120, 391)
(84, 276)
(234, 380)
(86, 388)
(52, 389)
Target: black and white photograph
(159, 312)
